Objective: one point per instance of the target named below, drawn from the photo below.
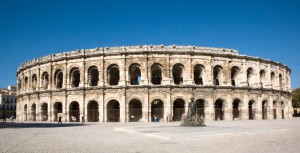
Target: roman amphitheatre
(136, 83)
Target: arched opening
(178, 73)
(34, 82)
(219, 112)
(234, 75)
(93, 112)
(235, 109)
(272, 78)
(75, 77)
(217, 75)
(45, 80)
(200, 103)
(33, 112)
(274, 109)
(58, 79)
(135, 74)
(249, 76)
(57, 110)
(93, 74)
(282, 110)
(74, 112)
(251, 109)
(157, 109)
(198, 74)
(156, 74)
(113, 111)
(113, 73)
(262, 76)
(280, 81)
(25, 112)
(135, 110)
(44, 112)
(178, 109)
(26, 84)
(264, 110)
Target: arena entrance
(33, 112)
(57, 110)
(274, 110)
(93, 112)
(135, 110)
(113, 111)
(74, 112)
(25, 112)
(219, 112)
(44, 112)
(178, 109)
(200, 103)
(251, 110)
(157, 109)
(264, 110)
(235, 109)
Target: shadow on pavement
(37, 125)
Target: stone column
(167, 106)
(206, 113)
(123, 107)
(101, 107)
(104, 114)
(145, 107)
(66, 109)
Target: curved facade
(135, 83)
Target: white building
(8, 101)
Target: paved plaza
(275, 136)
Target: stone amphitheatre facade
(136, 83)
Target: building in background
(8, 101)
(136, 83)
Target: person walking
(4, 118)
(59, 120)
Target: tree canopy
(296, 97)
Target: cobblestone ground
(276, 136)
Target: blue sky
(264, 28)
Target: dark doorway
(57, 110)
(25, 112)
(93, 76)
(44, 112)
(178, 73)
(198, 74)
(33, 112)
(156, 74)
(235, 109)
(200, 103)
(113, 111)
(74, 112)
(75, 77)
(274, 110)
(135, 110)
(135, 74)
(93, 112)
(219, 112)
(264, 110)
(58, 79)
(157, 109)
(113, 74)
(251, 110)
(178, 109)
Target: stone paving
(276, 136)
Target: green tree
(296, 98)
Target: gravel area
(274, 136)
